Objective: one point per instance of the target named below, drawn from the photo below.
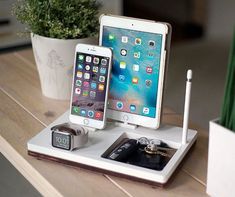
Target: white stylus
(187, 106)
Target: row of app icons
(136, 54)
(88, 76)
(136, 67)
(92, 85)
(96, 60)
(89, 113)
(135, 80)
(138, 41)
(132, 107)
(94, 69)
(86, 92)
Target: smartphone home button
(86, 121)
(125, 118)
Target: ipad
(140, 51)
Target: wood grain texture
(19, 80)
(181, 185)
(50, 179)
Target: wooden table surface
(24, 112)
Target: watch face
(61, 140)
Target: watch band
(78, 133)
(81, 138)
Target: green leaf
(71, 19)
(228, 108)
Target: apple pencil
(186, 106)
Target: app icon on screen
(83, 112)
(123, 65)
(78, 82)
(138, 41)
(87, 67)
(88, 58)
(95, 69)
(148, 82)
(123, 52)
(98, 115)
(146, 110)
(111, 37)
(149, 69)
(92, 94)
(81, 57)
(79, 74)
(119, 105)
(80, 66)
(136, 67)
(90, 114)
(96, 60)
(135, 80)
(121, 77)
(104, 62)
(102, 70)
(136, 54)
(76, 110)
(86, 75)
(102, 79)
(132, 108)
(124, 39)
(101, 87)
(85, 93)
(151, 43)
(86, 84)
(77, 91)
(94, 77)
(93, 85)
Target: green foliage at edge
(228, 109)
(62, 19)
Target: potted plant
(221, 158)
(56, 27)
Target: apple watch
(68, 136)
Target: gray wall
(111, 7)
(221, 18)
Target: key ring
(146, 141)
(152, 146)
(143, 141)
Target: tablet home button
(125, 118)
(86, 122)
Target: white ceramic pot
(221, 161)
(55, 59)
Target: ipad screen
(135, 70)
